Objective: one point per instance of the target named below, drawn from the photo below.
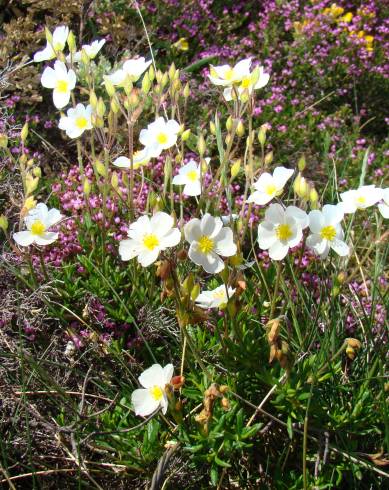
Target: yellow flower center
(192, 175)
(58, 47)
(156, 392)
(81, 122)
(162, 138)
(284, 232)
(206, 244)
(38, 228)
(150, 241)
(270, 189)
(229, 74)
(328, 233)
(62, 86)
(246, 82)
(361, 200)
(220, 294)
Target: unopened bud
(93, 99)
(313, 196)
(109, 87)
(172, 71)
(114, 106)
(3, 140)
(212, 127)
(3, 223)
(201, 145)
(228, 139)
(86, 187)
(185, 135)
(225, 403)
(133, 99)
(186, 91)
(195, 292)
(262, 136)
(84, 57)
(151, 73)
(24, 133)
(115, 180)
(31, 183)
(301, 163)
(240, 129)
(146, 84)
(268, 158)
(72, 42)
(127, 85)
(100, 168)
(37, 172)
(100, 108)
(235, 167)
(164, 80)
(229, 123)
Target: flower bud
(115, 180)
(212, 127)
(24, 132)
(228, 139)
(31, 183)
(3, 140)
(151, 73)
(201, 145)
(182, 255)
(172, 71)
(268, 158)
(177, 382)
(72, 42)
(86, 187)
(313, 196)
(240, 129)
(127, 85)
(146, 84)
(84, 57)
(114, 106)
(186, 91)
(225, 403)
(262, 135)
(37, 172)
(195, 292)
(164, 80)
(133, 99)
(185, 135)
(100, 168)
(229, 123)
(93, 99)
(109, 87)
(301, 163)
(3, 223)
(100, 108)
(235, 167)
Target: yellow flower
(182, 44)
(347, 18)
(333, 11)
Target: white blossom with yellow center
(152, 396)
(77, 120)
(57, 44)
(139, 159)
(226, 75)
(384, 205)
(159, 135)
(189, 177)
(91, 50)
(326, 231)
(269, 186)
(216, 298)
(208, 241)
(148, 237)
(61, 81)
(281, 230)
(253, 81)
(132, 69)
(361, 198)
(38, 221)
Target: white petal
(23, 238)
(168, 371)
(152, 376)
(275, 214)
(332, 214)
(180, 179)
(48, 78)
(266, 235)
(384, 210)
(192, 189)
(317, 243)
(122, 162)
(192, 230)
(211, 262)
(260, 198)
(224, 243)
(53, 217)
(316, 221)
(60, 99)
(281, 175)
(340, 247)
(128, 249)
(210, 226)
(45, 54)
(117, 77)
(47, 238)
(139, 228)
(171, 239)
(227, 93)
(278, 250)
(161, 223)
(143, 402)
(148, 257)
(298, 214)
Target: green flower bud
(3, 223)
(24, 133)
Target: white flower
(360, 198)
(139, 159)
(152, 396)
(148, 237)
(216, 298)
(60, 36)
(269, 186)
(132, 69)
(253, 81)
(326, 231)
(159, 136)
(225, 75)
(384, 206)
(77, 120)
(281, 230)
(189, 176)
(38, 221)
(61, 80)
(208, 240)
(91, 50)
